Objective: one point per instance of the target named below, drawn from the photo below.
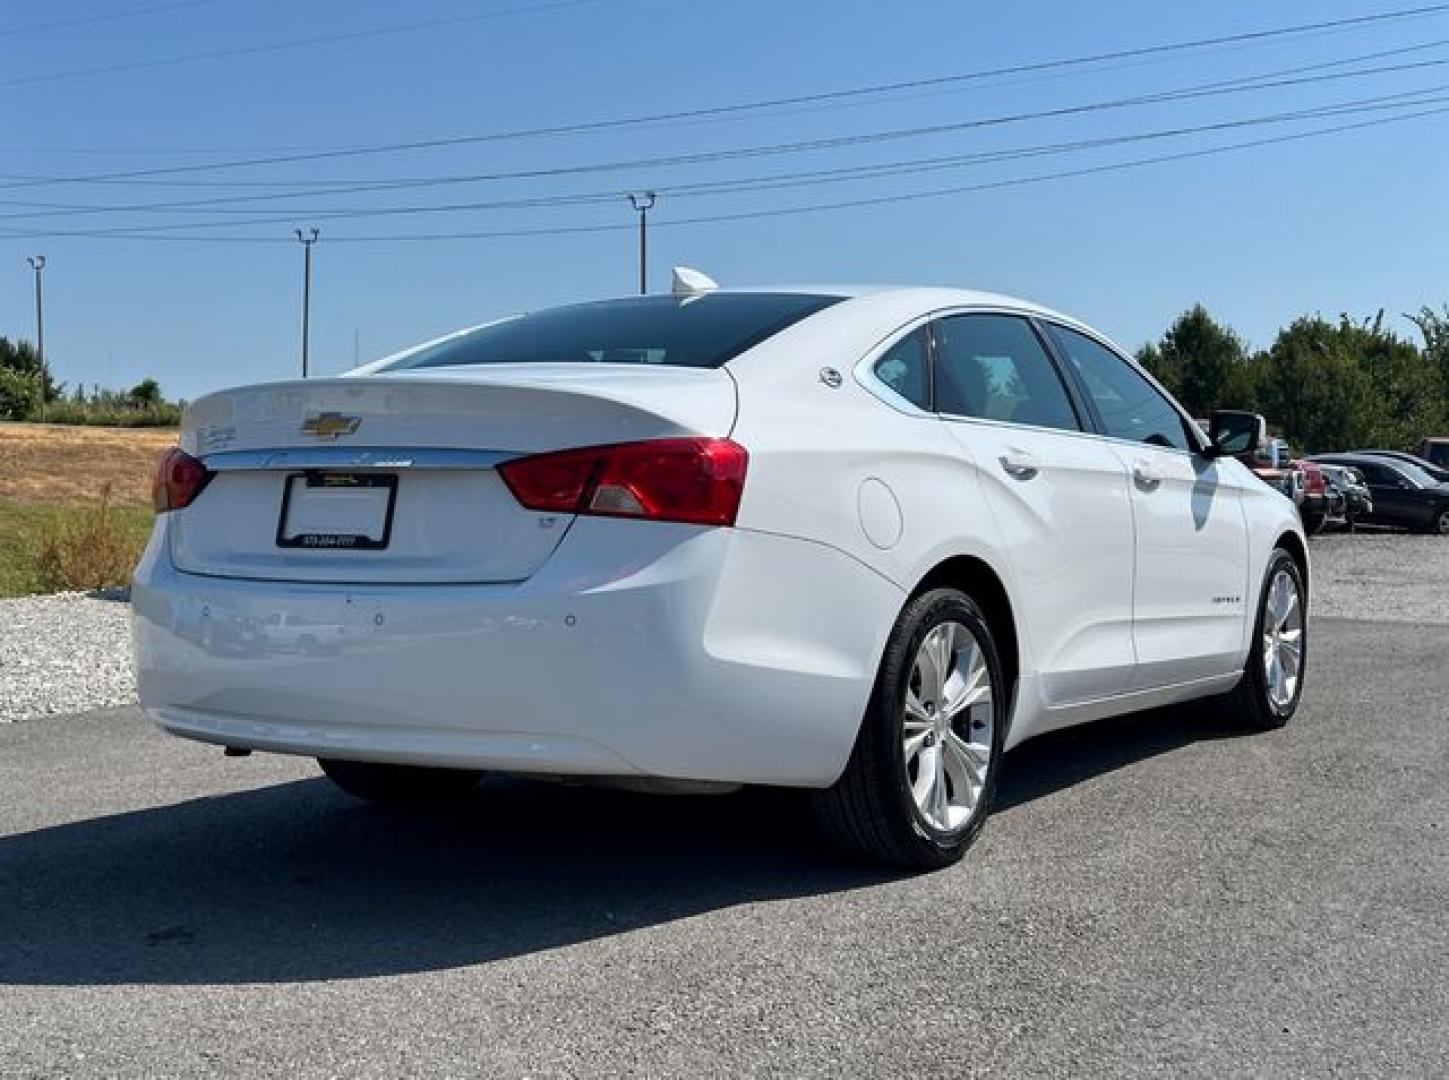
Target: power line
(1266, 81)
(778, 181)
(384, 183)
(89, 20)
(1020, 181)
(760, 104)
(294, 43)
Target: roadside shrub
(89, 550)
(164, 414)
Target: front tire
(400, 785)
(1439, 526)
(921, 777)
(1267, 696)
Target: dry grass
(27, 528)
(95, 548)
(68, 466)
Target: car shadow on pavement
(1053, 762)
(297, 882)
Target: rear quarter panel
(839, 466)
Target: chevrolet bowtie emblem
(330, 425)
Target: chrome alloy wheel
(948, 729)
(1282, 639)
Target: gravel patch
(1383, 576)
(65, 653)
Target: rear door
(1190, 582)
(1059, 498)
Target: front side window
(1378, 475)
(903, 368)
(1130, 406)
(993, 367)
(697, 331)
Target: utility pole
(37, 263)
(306, 239)
(643, 202)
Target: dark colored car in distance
(1438, 472)
(1403, 494)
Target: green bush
(19, 394)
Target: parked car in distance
(1439, 473)
(859, 542)
(1318, 504)
(1268, 462)
(1348, 485)
(1435, 449)
(1403, 494)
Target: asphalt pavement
(1159, 895)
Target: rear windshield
(699, 331)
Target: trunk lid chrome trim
(356, 457)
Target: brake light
(696, 481)
(178, 480)
(1313, 481)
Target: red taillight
(1313, 481)
(178, 479)
(697, 481)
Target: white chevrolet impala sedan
(857, 541)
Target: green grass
(22, 525)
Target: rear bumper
(638, 649)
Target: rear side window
(903, 368)
(993, 367)
(699, 331)
(1131, 407)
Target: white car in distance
(855, 541)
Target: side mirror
(1233, 433)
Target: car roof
(861, 305)
(926, 295)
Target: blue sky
(1348, 222)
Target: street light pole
(306, 239)
(37, 263)
(643, 202)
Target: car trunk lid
(393, 479)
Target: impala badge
(330, 425)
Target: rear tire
(921, 777)
(1439, 526)
(400, 785)
(1268, 694)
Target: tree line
(1323, 385)
(27, 392)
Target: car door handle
(1019, 464)
(1145, 476)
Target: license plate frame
(336, 541)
